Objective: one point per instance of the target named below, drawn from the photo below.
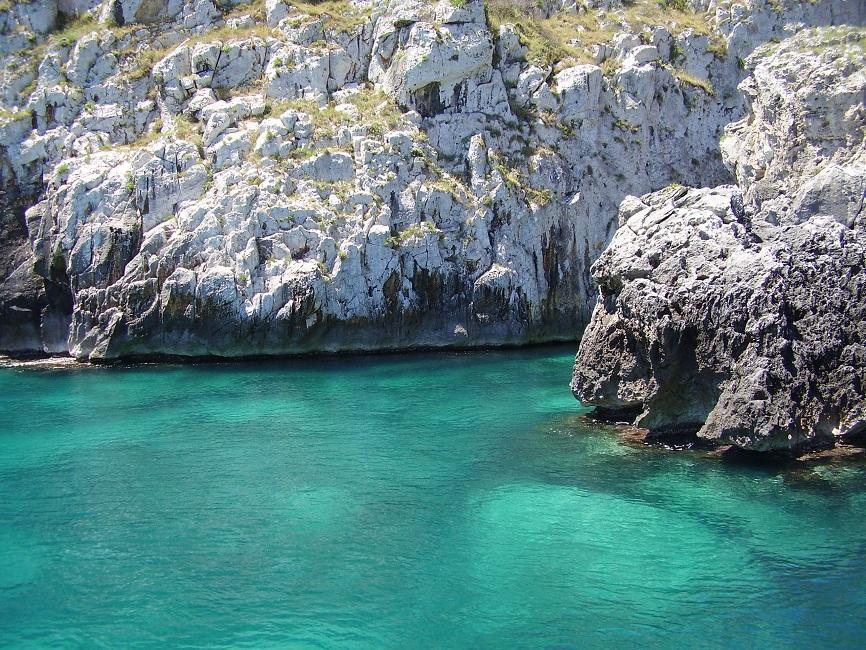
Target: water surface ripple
(451, 500)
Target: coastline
(66, 361)
(843, 451)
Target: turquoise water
(453, 500)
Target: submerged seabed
(448, 500)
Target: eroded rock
(737, 313)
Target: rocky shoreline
(842, 452)
(36, 360)
(215, 178)
(736, 313)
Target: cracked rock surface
(739, 312)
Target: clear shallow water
(452, 500)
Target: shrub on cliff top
(568, 37)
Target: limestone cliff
(230, 179)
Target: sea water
(454, 500)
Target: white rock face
(205, 179)
(435, 58)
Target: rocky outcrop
(738, 312)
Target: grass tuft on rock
(568, 38)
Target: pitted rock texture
(266, 179)
(738, 312)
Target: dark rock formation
(740, 313)
(743, 332)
